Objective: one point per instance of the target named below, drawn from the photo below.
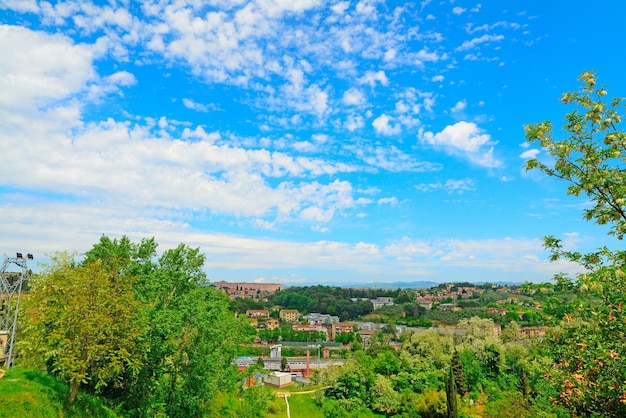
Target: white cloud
(122, 78)
(384, 125)
(429, 102)
(354, 97)
(320, 138)
(21, 5)
(458, 10)
(472, 43)
(459, 106)
(39, 66)
(388, 201)
(464, 139)
(450, 186)
(340, 7)
(305, 146)
(77, 227)
(128, 173)
(391, 159)
(193, 105)
(531, 153)
(139, 163)
(372, 78)
(354, 122)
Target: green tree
(187, 351)
(589, 347)
(511, 333)
(83, 322)
(451, 394)
(354, 381)
(460, 381)
(385, 400)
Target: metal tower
(10, 292)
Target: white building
(379, 302)
(278, 379)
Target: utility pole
(11, 284)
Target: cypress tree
(459, 375)
(453, 408)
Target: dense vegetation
(491, 377)
(145, 333)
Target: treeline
(326, 300)
(143, 332)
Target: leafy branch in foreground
(591, 159)
(589, 346)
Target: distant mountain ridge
(379, 285)
(420, 284)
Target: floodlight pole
(10, 293)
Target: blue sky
(299, 141)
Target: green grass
(304, 406)
(28, 393)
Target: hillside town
(388, 315)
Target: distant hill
(394, 285)
(379, 285)
(420, 284)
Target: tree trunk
(73, 391)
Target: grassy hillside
(28, 393)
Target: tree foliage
(83, 322)
(144, 331)
(192, 336)
(592, 158)
(589, 347)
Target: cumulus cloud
(466, 140)
(459, 106)
(354, 122)
(531, 153)
(144, 163)
(354, 97)
(384, 125)
(122, 78)
(372, 78)
(293, 64)
(41, 68)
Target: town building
(313, 318)
(534, 332)
(278, 379)
(272, 323)
(379, 302)
(289, 315)
(255, 291)
(258, 313)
